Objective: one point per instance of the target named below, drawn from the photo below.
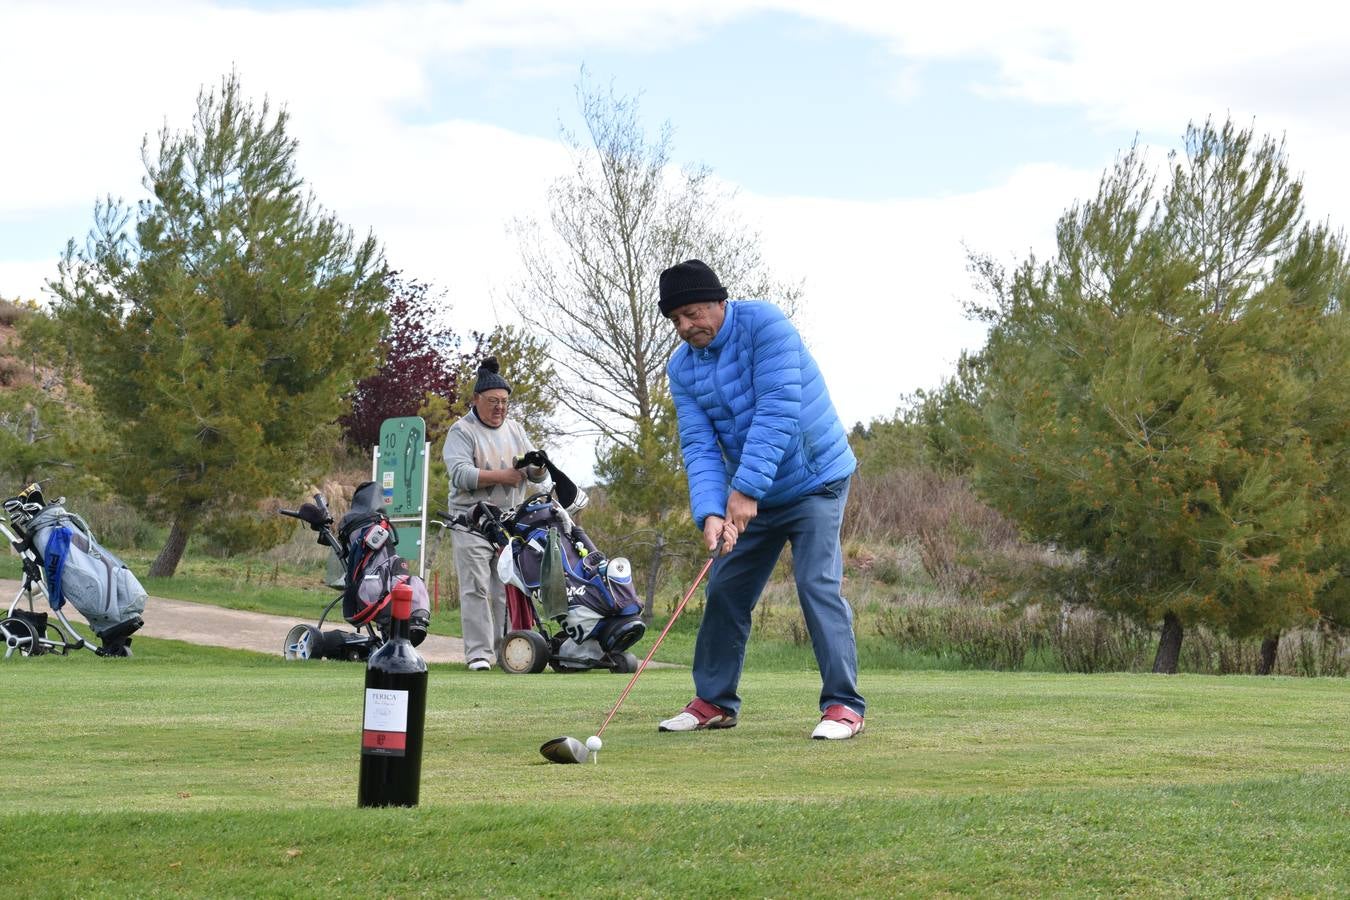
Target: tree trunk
(1169, 646)
(1270, 647)
(167, 562)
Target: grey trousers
(482, 596)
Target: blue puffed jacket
(754, 414)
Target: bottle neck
(400, 611)
(399, 629)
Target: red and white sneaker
(839, 723)
(698, 715)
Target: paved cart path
(237, 629)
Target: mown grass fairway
(195, 771)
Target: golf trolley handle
(319, 525)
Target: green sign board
(400, 472)
(410, 543)
(401, 467)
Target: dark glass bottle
(395, 708)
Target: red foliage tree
(419, 358)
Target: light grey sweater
(469, 446)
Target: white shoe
(697, 716)
(683, 722)
(479, 665)
(839, 723)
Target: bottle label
(385, 731)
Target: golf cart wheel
(23, 637)
(624, 663)
(56, 641)
(303, 642)
(523, 653)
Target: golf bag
(591, 596)
(75, 568)
(373, 566)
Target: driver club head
(564, 750)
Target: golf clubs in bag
(63, 560)
(555, 575)
(365, 550)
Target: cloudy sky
(871, 143)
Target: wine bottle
(395, 707)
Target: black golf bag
(598, 601)
(373, 566)
(554, 572)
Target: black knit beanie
(488, 379)
(689, 282)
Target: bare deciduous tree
(621, 216)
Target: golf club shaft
(650, 653)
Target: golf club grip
(652, 652)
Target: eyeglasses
(494, 403)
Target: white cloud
(23, 279)
(1149, 65)
(441, 197)
(75, 110)
(80, 84)
(885, 280)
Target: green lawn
(188, 770)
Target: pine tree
(646, 487)
(1167, 395)
(221, 329)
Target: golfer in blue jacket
(768, 463)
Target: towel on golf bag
(596, 590)
(78, 569)
(374, 566)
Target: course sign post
(399, 468)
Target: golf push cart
(63, 562)
(364, 547)
(569, 607)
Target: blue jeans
(811, 524)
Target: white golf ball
(593, 743)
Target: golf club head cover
(532, 459)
